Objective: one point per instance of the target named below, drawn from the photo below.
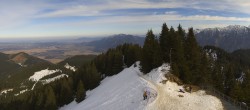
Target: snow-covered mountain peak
(236, 28)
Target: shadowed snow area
(124, 91)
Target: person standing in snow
(145, 95)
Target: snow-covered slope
(124, 91)
(119, 92)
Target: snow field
(46, 81)
(40, 74)
(124, 91)
(72, 68)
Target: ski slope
(124, 91)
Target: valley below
(53, 52)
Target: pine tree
(50, 103)
(80, 93)
(66, 94)
(193, 55)
(148, 52)
(40, 100)
(157, 56)
(164, 42)
(117, 64)
(95, 76)
(179, 54)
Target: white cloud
(16, 14)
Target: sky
(93, 18)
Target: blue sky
(75, 18)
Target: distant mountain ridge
(230, 38)
(115, 40)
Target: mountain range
(113, 41)
(230, 38)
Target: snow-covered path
(124, 91)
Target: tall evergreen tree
(150, 52)
(80, 93)
(179, 54)
(193, 55)
(164, 42)
(117, 64)
(66, 94)
(50, 103)
(157, 55)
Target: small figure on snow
(145, 95)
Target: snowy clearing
(6, 91)
(21, 92)
(124, 91)
(72, 68)
(46, 81)
(40, 74)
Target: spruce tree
(39, 101)
(50, 103)
(117, 65)
(80, 93)
(179, 54)
(148, 52)
(157, 55)
(66, 94)
(95, 76)
(193, 55)
(164, 42)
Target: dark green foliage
(80, 93)
(193, 55)
(89, 75)
(78, 60)
(64, 91)
(164, 41)
(243, 56)
(50, 103)
(151, 53)
(114, 60)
